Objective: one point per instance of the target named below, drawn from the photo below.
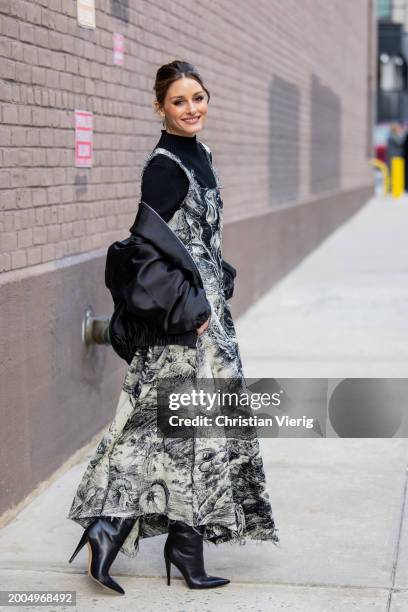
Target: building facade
(392, 66)
(290, 126)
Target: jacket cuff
(202, 318)
(229, 273)
(229, 268)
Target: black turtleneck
(164, 183)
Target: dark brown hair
(168, 73)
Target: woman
(139, 484)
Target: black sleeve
(153, 289)
(164, 186)
(229, 273)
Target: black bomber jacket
(156, 287)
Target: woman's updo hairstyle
(168, 73)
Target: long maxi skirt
(216, 482)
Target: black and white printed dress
(210, 481)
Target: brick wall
(288, 128)
(270, 142)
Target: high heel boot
(104, 537)
(184, 548)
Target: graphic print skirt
(137, 472)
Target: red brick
(7, 69)
(10, 113)
(5, 180)
(23, 73)
(18, 259)
(26, 32)
(5, 262)
(5, 136)
(38, 75)
(24, 238)
(10, 26)
(33, 12)
(33, 255)
(8, 241)
(5, 91)
(8, 199)
(47, 252)
(39, 235)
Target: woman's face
(185, 100)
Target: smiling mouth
(192, 118)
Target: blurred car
(380, 139)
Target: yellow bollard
(386, 175)
(397, 176)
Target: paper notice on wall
(83, 138)
(118, 48)
(86, 13)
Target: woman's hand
(203, 327)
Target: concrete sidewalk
(343, 311)
(339, 504)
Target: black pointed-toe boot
(104, 537)
(184, 548)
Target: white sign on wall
(118, 48)
(83, 139)
(86, 13)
